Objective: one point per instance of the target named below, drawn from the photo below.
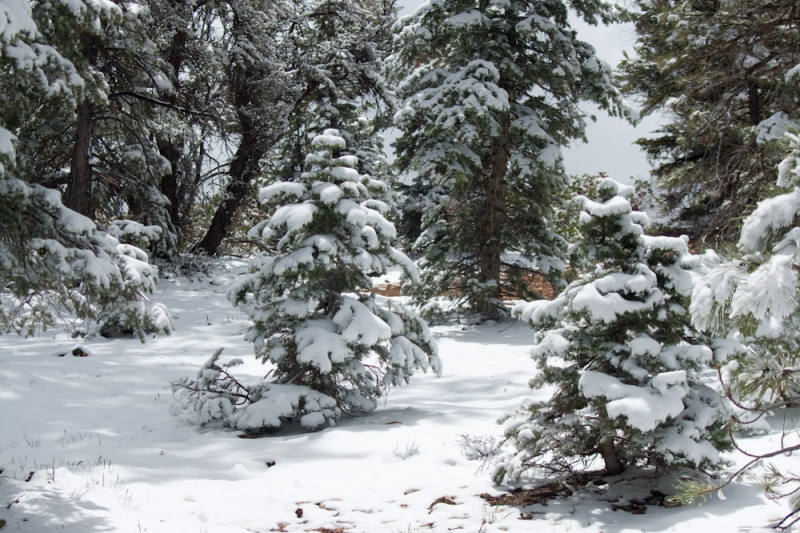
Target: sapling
(619, 349)
(331, 346)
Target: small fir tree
(622, 355)
(334, 348)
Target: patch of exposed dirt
(387, 290)
(534, 281)
(656, 498)
(526, 497)
(559, 489)
(444, 499)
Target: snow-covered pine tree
(755, 294)
(54, 261)
(99, 144)
(723, 74)
(619, 349)
(490, 94)
(341, 45)
(333, 347)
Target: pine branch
(162, 103)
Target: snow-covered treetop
(360, 237)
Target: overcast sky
(610, 147)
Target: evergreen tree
(333, 348)
(195, 119)
(340, 46)
(263, 85)
(54, 261)
(754, 294)
(619, 349)
(723, 73)
(491, 92)
(99, 146)
(325, 73)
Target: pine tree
(54, 261)
(619, 349)
(723, 74)
(263, 86)
(753, 293)
(341, 45)
(194, 119)
(333, 347)
(491, 92)
(99, 145)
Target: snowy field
(88, 444)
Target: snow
(7, 140)
(281, 188)
(775, 127)
(608, 307)
(15, 20)
(360, 325)
(467, 18)
(329, 139)
(550, 155)
(792, 73)
(129, 231)
(328, 193)
(295, 216)
(615, 206)
(772, 214)
(281, 401)
(106, 455)
(644, 409)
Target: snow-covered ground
(88, 444)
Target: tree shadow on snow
(628, 504)
(33, 509)
(505, 333)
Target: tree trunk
(169, 182)
(607, 448)
(491, 224)
(79, 185)
(166, 146)
(754, 102)
(78, 195)
(244, 168)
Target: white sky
(610, 147)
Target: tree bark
(607, 448)
(78, 195)
(754, 102)
(244, 168)
(79, 185)
(169, 182)
(491, 224)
